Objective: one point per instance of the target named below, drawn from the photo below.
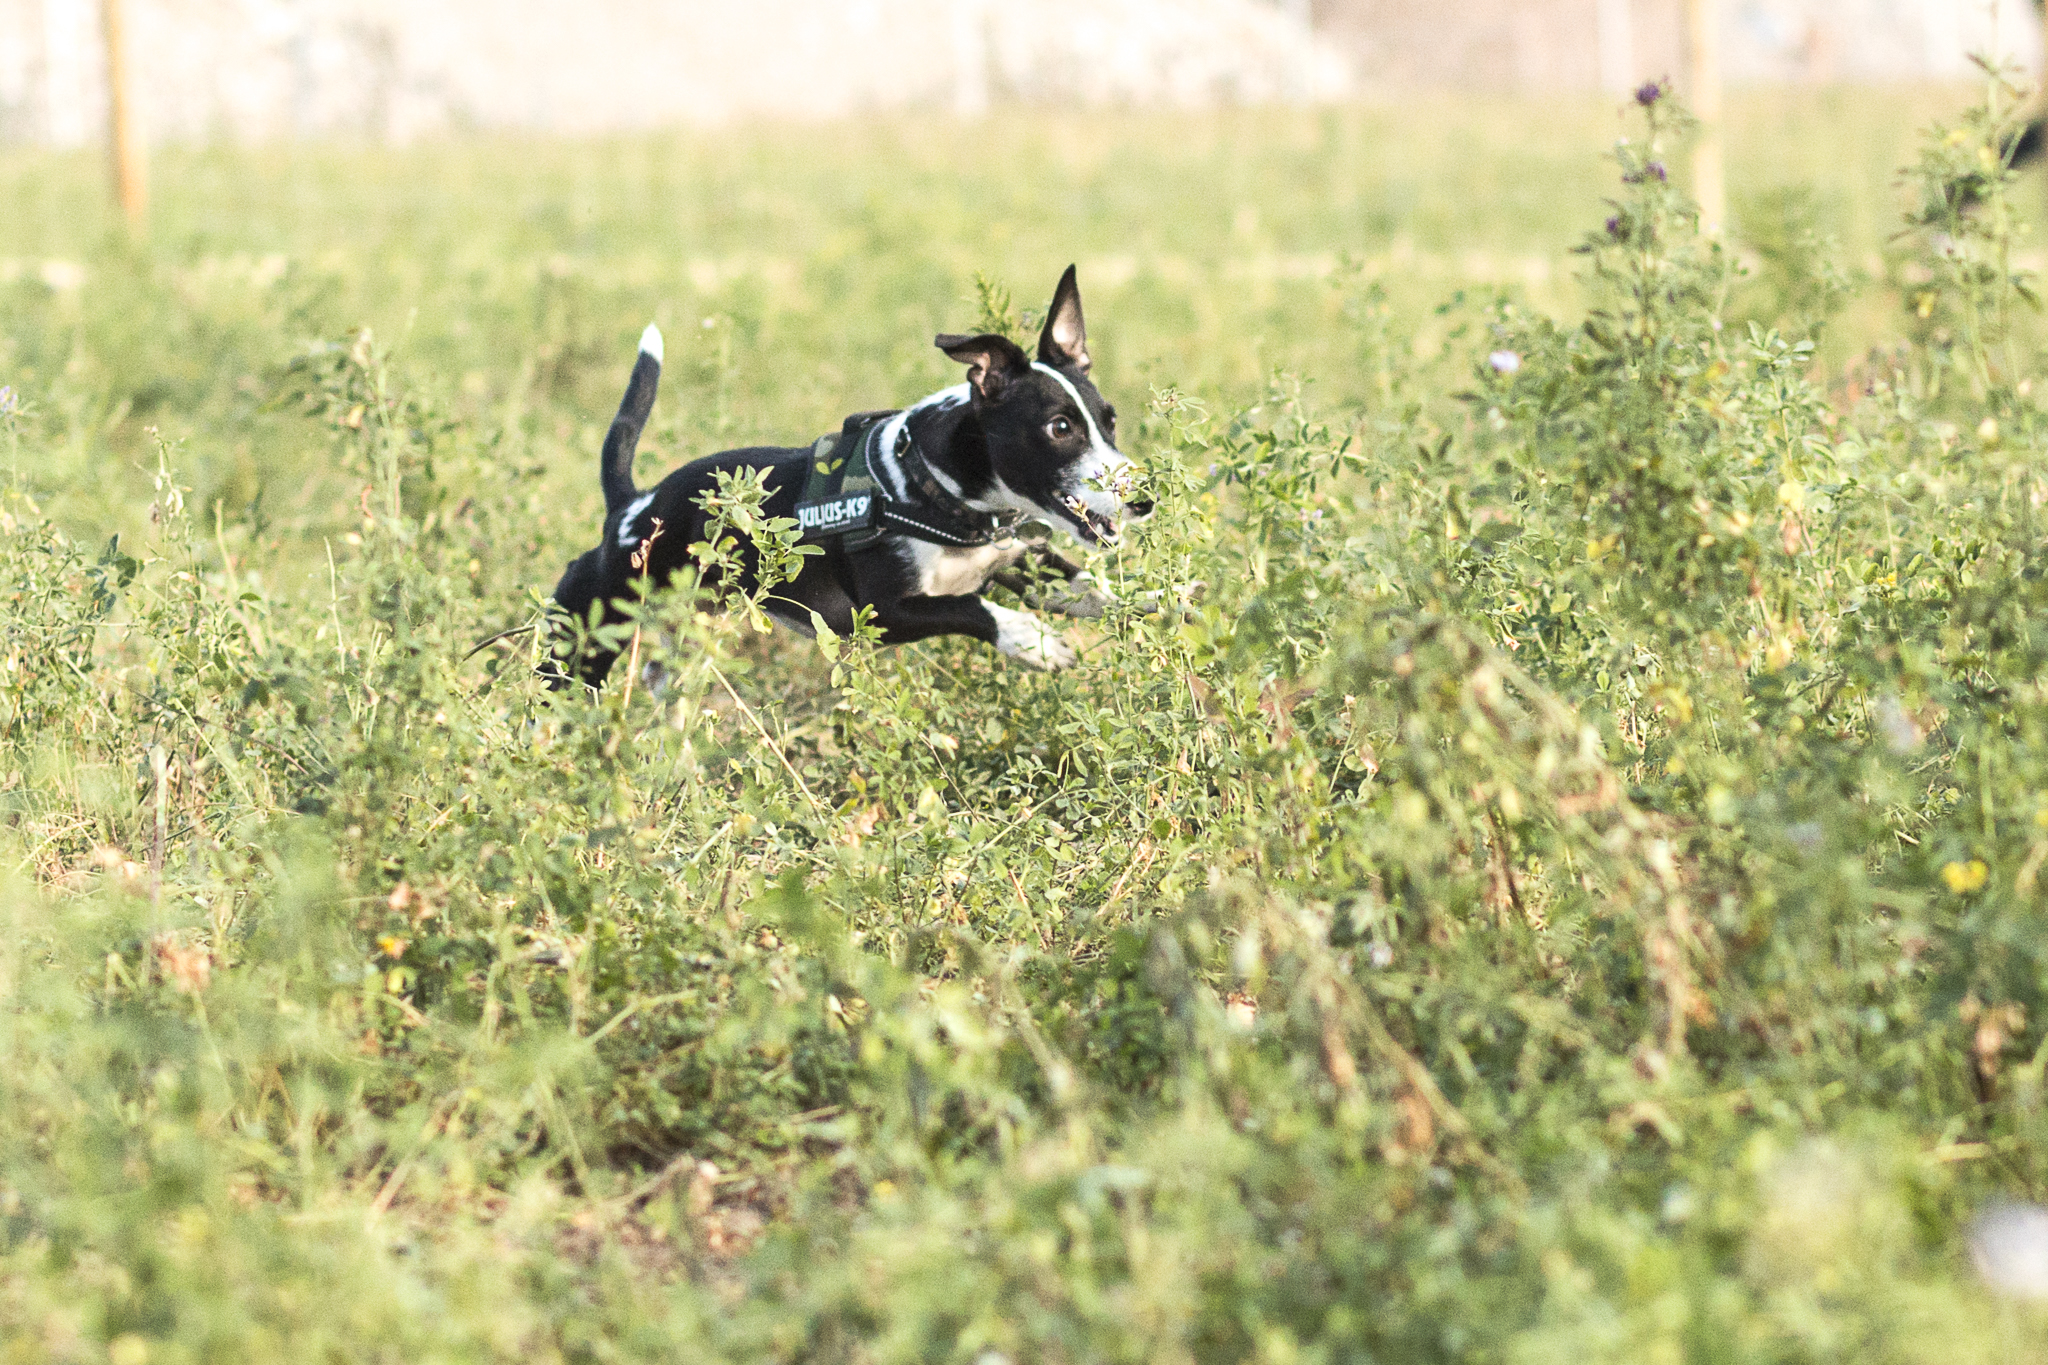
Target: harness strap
(844, 497)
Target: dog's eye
(1059, 428)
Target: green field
(1566, 888)
(514, 275)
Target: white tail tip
(650, 342)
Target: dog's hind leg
(572, 653)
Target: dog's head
(1051, 437)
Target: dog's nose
(1139, 508)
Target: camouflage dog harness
(844, 497)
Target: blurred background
(1257, 192)
(265, 69)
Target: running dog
(916, 511)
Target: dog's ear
(992, 361)
(1065, 338)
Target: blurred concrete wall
(251, 69)
(1545, 45)
(256, 69)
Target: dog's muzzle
(1098, 509)
(1100, 518)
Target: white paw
(1020, 635)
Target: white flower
(1504, 362)
(2009, 1243)
(1902, 733)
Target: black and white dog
(916, 511)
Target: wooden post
(131, 175)
(1703, 63)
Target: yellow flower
(392, 945)
(1965, 877)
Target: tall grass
(1567, 888)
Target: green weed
(1567, 887)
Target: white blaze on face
(1102, 471)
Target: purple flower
(1650, 94)
(1504, 362)
(1656, 168)
(7, 399)
(1614, 226)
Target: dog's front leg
(1022, 635)
(1018, 634)
(1053, 583)
(1073, 591)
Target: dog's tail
(623, 440)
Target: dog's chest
(941, 571)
